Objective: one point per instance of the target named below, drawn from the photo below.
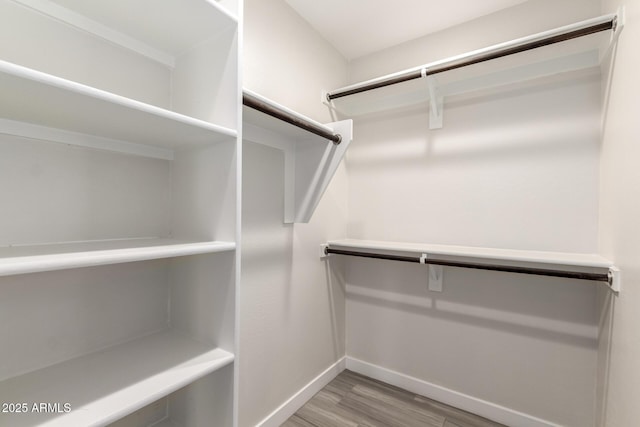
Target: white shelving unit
(119, 174)
(310, 160)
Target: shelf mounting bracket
(436, 102)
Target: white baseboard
(288, 408)
(462, 401)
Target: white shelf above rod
(257, 102)
(429, 71)
(568, 32)
(610, 276)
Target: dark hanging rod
(580, 29)
(598, 277)
(256, 103)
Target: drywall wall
(66, 52)
(291, 307)
(519, 21)
(287, 61)
(516, 167)
(619, 375)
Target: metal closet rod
(580, 29)
(598, 277)
(258, 104)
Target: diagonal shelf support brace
(436, 101)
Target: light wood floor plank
(322, 416)
(385, 412)
(296, 421)
(457, 416)
(353, 400)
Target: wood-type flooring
(353, 400)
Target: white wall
(291, 307)
(518, 21)
(619, 373)
(79, 56)
(515, 168)
(286, 60)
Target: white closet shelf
(415, 86)
(565, 259)
(60, 256)
(104, 386)
(34, 102)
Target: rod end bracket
(325, 98)
(615, 280)
(619, 21)
(323, 251)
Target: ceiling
(360, 27)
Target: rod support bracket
(435, 278)
(436, 101)
(615, 280)
(324, 98)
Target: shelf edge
(80, 89)
(480, 253)
(63, 261)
